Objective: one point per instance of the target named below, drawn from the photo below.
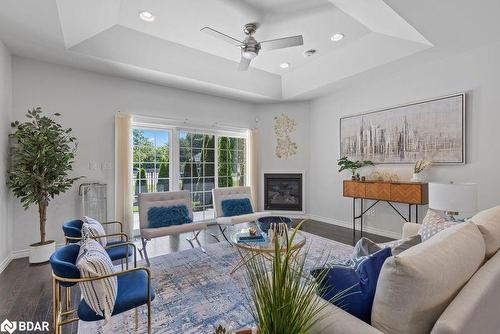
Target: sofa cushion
(355, 284)
(236, 207)
(163, 216)
(488, 222)
(416, 286)
(434, 223)
(475, 308)
(365, 246)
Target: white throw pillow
(434, 223)
(91, 228)
(93, 261)
(416, 286)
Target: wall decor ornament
(284, 127)
(433, 130)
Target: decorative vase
(418, 177)
(40, 253)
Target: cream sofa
(447, 284)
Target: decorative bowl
(264, 223)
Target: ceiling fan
(250, 47)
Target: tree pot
(40, 253)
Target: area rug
(195, 292)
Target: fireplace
(283, 191)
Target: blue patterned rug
(195, 292)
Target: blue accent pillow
(168, 216)
(360, 278)
(236, 207)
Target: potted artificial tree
(42, 155)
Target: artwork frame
(430, 109)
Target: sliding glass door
(184, 159)
(151, 163)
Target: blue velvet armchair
(117, 250)
(134, 289)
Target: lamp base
(451, 215)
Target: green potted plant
(42, 155)
(353, 166)
(283, 288)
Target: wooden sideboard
(411, 193)
(399, 192)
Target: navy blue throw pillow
(236, 207)
(168, 216)
(361, 280)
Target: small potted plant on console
(353, 166)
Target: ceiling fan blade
(244, 64)
(221, 36)
(282, 43)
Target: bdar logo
(8, 326)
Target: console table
(411, 193)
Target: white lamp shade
(457, 197)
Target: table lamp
(453, 198)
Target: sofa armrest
(410, 229)
(335, 320)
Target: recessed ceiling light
(337, 37)
(147, 16)
(285, 65)
(309, 53)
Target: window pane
(197, 141)
(198, 184)
(222, 182)
(197, 199)
(185, 184)
(232, 143)
(208, 198)
(186, 170)
(241, 144)
(163, 170)
(162, 185)
(241, 157)
(209, 184)
(209, 141)
(231, 161)
(185, 154)
(208, 170)
(208, 155)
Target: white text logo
(8, 326)
(23, 326)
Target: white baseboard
(5, 262)
(369, 229)
(26, 252)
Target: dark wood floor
(26, 290)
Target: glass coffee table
(248, 250)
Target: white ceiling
(108, 36)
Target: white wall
(5, 118)
(88, 103)
(476, 72)
(267, 141)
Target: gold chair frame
(65, 316)
(121, 234)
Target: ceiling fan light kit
(250, 47)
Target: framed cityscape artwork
(433, 130)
